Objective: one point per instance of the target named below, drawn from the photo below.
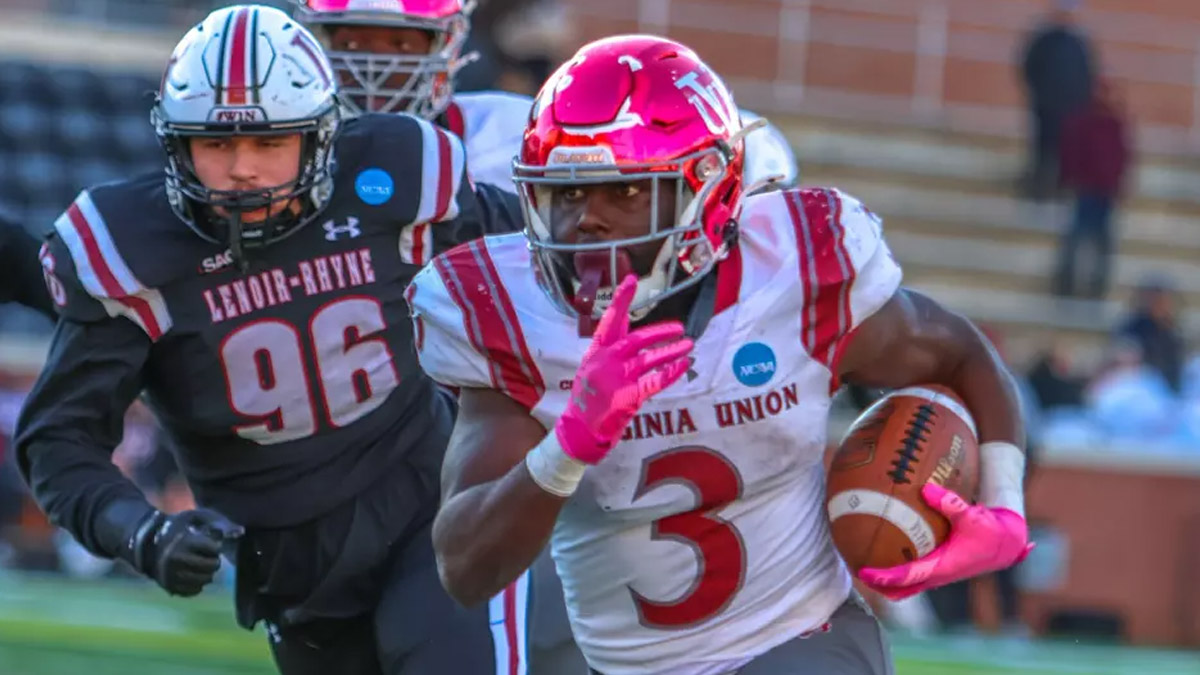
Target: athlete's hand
(182, 552)
(982, 539)
(620, 371)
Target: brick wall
(920, 61)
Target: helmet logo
(237, 115)
(579, 155)
(311, 50)
(375, 5)
(707, 100)
(633, 63)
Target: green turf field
(52, 627)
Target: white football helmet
(247, 70)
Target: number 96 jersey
(286, 387)
(701, 540)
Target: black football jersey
(287, 387)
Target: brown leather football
(873, 491)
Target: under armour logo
(334, 231)
(708, 101)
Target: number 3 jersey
(701, 540)
(285, 388)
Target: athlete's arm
(494, 519)
(493, 522)
(913, 340)
(72, 421)
(20, 271)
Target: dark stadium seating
(65, 128)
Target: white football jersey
(492, 125)
(701, 540)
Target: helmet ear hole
(706, 167)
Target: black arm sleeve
(499, 210)
(483, 209)
(20, 272)
(72, 421)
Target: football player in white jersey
(645, 379)
(394, 56)
(402, 56)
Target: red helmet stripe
(303, 43)
(235, 90)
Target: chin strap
(704, 306)
(234, 235)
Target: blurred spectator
(1058, 73)
(1153, 328)
(1129, 399)
(1095, 157)
(1052, 381)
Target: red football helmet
(421, 84)
(631, 108)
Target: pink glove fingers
(619, 371)
(909, 574)
(614, 323)
(652, 357)
(947, 502)
(659, 379)
(646, 337)
(981, 540)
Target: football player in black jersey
(256, 297)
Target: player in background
(677, 462)
(395, 56)
(20, 274)
(255, 294)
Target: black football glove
(182, 551)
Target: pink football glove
(619, 372)
(981, 540)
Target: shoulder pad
(768, 154)
(846, 268)
(493, 124)
(405, 165)
(468, 333)
(88, 274)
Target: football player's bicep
(492, 434)
(910, 340)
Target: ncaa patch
(374, 186)
(754, 364)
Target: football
(873, 491)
